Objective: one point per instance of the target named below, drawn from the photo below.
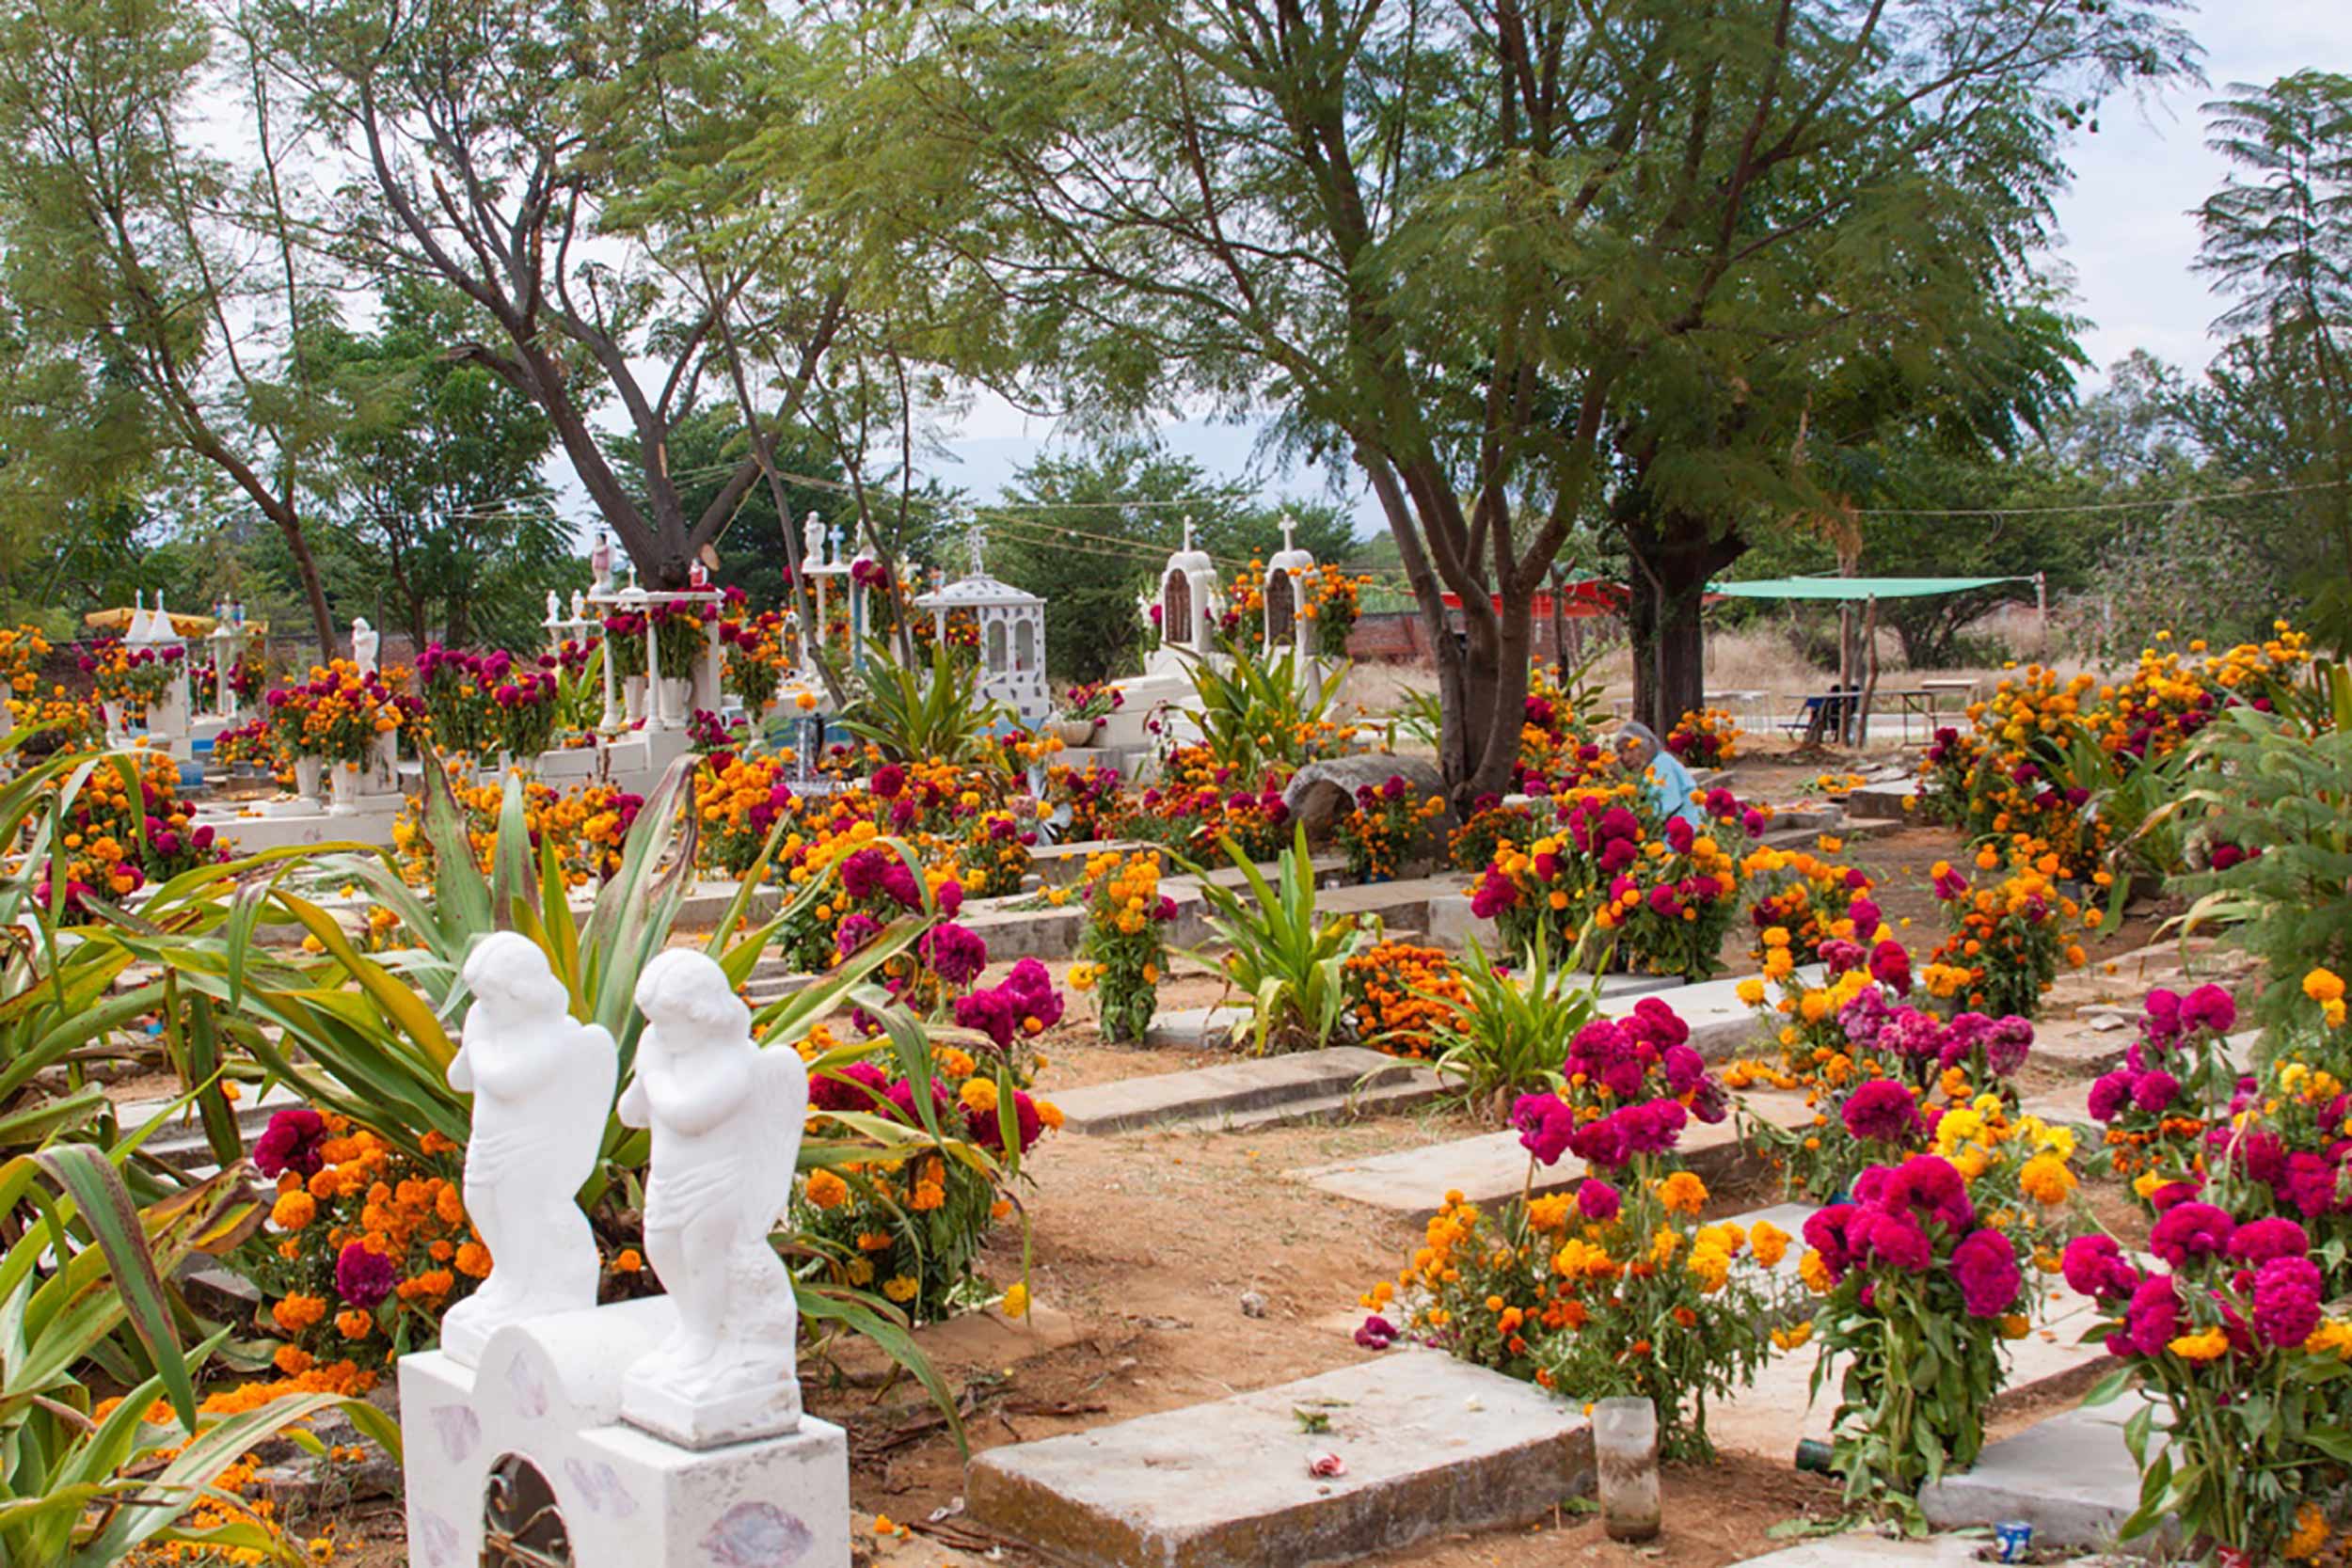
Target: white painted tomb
(660, 1433)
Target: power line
(2098, 506)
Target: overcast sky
(2129, 236)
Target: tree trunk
(1675, 554)
(307, 568)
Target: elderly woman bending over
(1664, 780)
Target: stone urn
(1077, 732)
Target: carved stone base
(709, 1423)
(549, 1393)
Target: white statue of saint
(541, 1087)
(727, 1119)
(555, 609)
(600, 563)
(579, 605)
(364, 643)
(812, 542)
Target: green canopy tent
(1854, 589)
(1847, 592)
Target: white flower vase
(672, 701)
(343, 786)
(307, 771)
(384, 763)
(633, 698)
(113, 717)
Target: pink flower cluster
(2255, 1280)
(1902, 1216)
(1023, 1002)
(1926, 1045)
(2172, 1029)
(1644, 1066)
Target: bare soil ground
(1150, 1241)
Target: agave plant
(1509, 1031)
(1260, 712)
(917, 715)
(1286, 958)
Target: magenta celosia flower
(2110, 1094)
(1985, 1265)
(290, 1142)
(854, 1087)
(1890, 964)
(2208, 1006)
(2094, 1266)
(2153, 1316)
(363, 1277)
(1827, 1232)
(956, 953)
(2258, 1241)
(1893, 1238)
(1545, 1125)
(2154, 1090)
(1597, 1201)
(2190, 1231)
(2286, 1300)
(1881, 1111)
(1377, 1333)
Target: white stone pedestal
(549, 1393)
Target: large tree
(530, 158)
(2276, 410)
(438, 499)
(1465, 245)
(149, 275)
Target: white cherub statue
(365, 642)
(541, 1087)
(726, 1121)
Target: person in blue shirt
(1664, 780)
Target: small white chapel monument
(651, 1433)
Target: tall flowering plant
(22, 649)
(913, 1227)
(2229, 1329)
(1088, 799)
(2158, 1106)
(1704, 738)
(1813, 899)
(366, 1245)
(1330, 598)
(1403, 998)
(2009, 941)
(1383, 828)
(755, 656)
(1616, 1288)
(1664, 891)
(1124, 947)
(1918, 1293)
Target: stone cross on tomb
(975, 540)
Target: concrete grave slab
(1429, 1445)
(2069, 1476)
(1257, 1088)
(1492, 1167)
(1198, 1028)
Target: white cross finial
(1287, 526)
(977, 539)
(1189, 534)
